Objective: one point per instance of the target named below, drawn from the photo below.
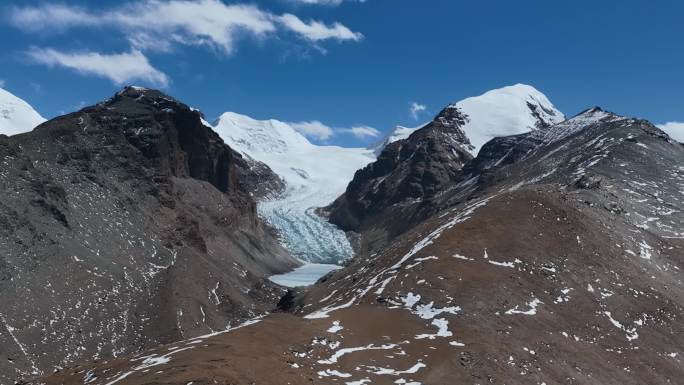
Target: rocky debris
(521, 276)
(123, 226)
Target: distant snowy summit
(501, 112)
(16, 116)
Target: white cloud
(320, 131)
(120, 68)
(362, 132)
(37, 88)
(674, 129)
(51, 16)
(159, 25)
(313, 129)
(324, 2)
(416, 109)
(317, 31)
(2, 83)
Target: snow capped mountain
(315, 176)
(505, 111)
(16, 116)
(399, 133)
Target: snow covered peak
(399, 133)
(505, 111)
(16, 116)
(259, 136)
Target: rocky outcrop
(413, 170)
(126, 225)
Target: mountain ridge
(548, 260)
(125, 225)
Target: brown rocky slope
(123, 226)
(555, 257)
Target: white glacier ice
(16, 116)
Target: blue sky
(346, 63)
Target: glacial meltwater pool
(305, 275)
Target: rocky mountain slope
(409, 170)
(553, 257)
(313, 175)
(123, 226)
(16, 116)
(414, 166)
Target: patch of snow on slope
(16, 116)
(315, 176)
(336, 356)
(577, 123)
(531, 311)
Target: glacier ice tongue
(306, 235)
(315, 177)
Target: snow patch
(531, 311)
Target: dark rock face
(414, 169)
(172, 139)
(122, 226)
(257, 178)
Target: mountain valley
(513, 247)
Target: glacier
(315, 176)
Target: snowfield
(16, 116)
